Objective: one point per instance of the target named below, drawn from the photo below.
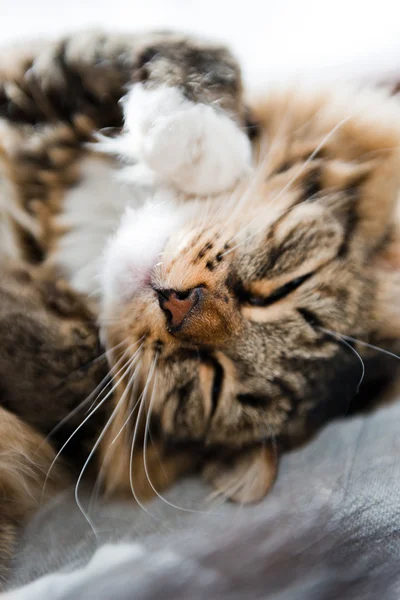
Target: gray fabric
(329, 529)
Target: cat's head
(237, 314)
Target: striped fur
(295, 263)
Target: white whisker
(288, 184)
(366, 344)
(95, 409)
(143, 395)
(99, 477)
(146, 470)
(114, 366)
(96, 445)
(81, 404)
(131, 412)
(340, 337)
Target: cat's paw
(244, 478)
(195, 147)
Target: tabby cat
(242, 265)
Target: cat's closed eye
(248, 298)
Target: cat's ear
(245, 477)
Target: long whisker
(84, 402)
(366, 344)
(114, 366)
(168, 381)
(340, 337)
(141, 405)
(206, 213)
(96, 445)
(260, 172)
(96, 408)
(110, 377)
(131, 412)
(262, 168)
(146, 470)
(80, 406)
(107, 351)
(240, 195)
(289, 183)
(100, 476)
(86, 365)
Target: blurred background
(274, 39)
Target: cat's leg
(77, 80)
(80, 78)
(244, 478)
(184, 114)
(50, 357)
(25, 460)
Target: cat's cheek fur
(197, 148)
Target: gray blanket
(329, 529)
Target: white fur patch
(194, 147)
(168, 144)
(137, 246)
(92, 212)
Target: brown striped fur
(25, 458)
(53, 97)
(238, 383)
(322, 204)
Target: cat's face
(228, 316)
(242, 309)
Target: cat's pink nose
(177, 305)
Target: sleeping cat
(238, 287)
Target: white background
(273, 38)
